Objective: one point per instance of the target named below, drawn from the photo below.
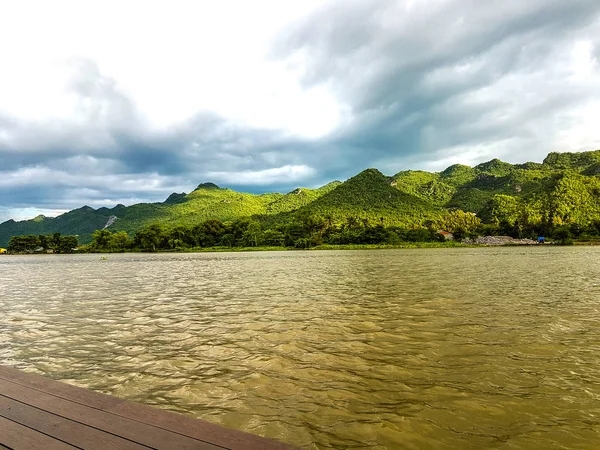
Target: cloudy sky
(120, 102)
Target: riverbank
(490, 241)
(484, 241)
(217, 249)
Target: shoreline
(322, 247)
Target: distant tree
(303, 243)
(150, 238)
(562, 235)
(23, 244)
(178, 237)
(54, 241)
(237, 229)
(375, 235)
(228, 240)
(119, 241)
(208, 233)
(67, 244)
(274, 238)
(293, 231)
(253, 235)
(43, 240)
(101, 239)
(351, 222)
(459, 221)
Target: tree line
(309, 230)
(303, 231)
(43, 243)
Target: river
(387, 349)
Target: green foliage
(23, 244)
(425, 185)
(530, 166)
(369, 196)
(471, 199)
(107, 241)
(298, 198)
(66, 244)
(495, 167)
(505, 208)
(152, 238)
(575, 161)
(574, 199)
(459, 223)
(54, 243)
(458, 175)
(592, 171)
(101, 239)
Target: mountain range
(563, 189)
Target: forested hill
(563, 190)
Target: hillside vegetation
(560, 196)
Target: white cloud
(18, 214)
(279, 175)
(172, 59)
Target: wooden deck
(38, 413)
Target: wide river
(392, 349)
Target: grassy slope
(370, 195)
(471, 189)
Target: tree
(67, 244)
(101, 239)
(150, 238)
(119, 241)
(177, 237)
(252, 235)
(54, 241)
(351, 222)
(563, 235)
(460, 221)
(273, 238)
(43, 239)
(31, 243)
(504, 208)
(209, 232)
(228, 240)
(23, 244)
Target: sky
(114, 102)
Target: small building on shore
(2, 250)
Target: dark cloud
(410, 77)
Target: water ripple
(415, 349)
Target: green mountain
(207, 201)
(372, 196)
(562, 190)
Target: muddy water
(390, 349)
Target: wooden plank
(66, 430)
(64, 390)
(196, 428)
(17, 436)
(130, 429)
(193, 428)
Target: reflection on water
(416, 349)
